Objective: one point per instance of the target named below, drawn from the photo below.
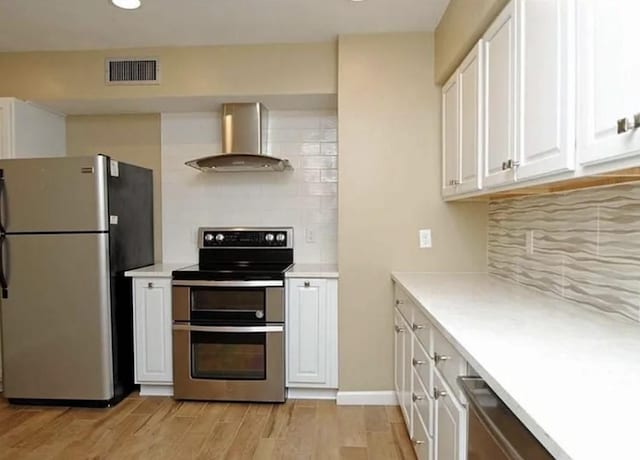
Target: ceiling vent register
(132, 71)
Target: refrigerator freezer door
(67, 194)
(56, 324)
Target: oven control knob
(259, 314)
(219, 237)
(268, 237)
(208, 237)
(280, 237)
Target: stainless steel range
(228, 316)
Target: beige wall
(462, 24)
(133, 139)
(308, 68)
(389, 169)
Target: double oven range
(229, 315)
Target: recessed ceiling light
(127, 4)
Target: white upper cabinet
(499, 94)
(608, 75)
(545, 101)
(450, 136)
(461, 126)
(470, 83)
(29, 131)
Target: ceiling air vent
(132, 71)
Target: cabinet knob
(438, 358)
(437, 394)
(307, 284)
(417, 327)
(399, 302)
(417, 442)
(417, 362)
(150, 285)
(627, 124)
(504, 165)
(415, 397)
(399, 329)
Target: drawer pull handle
(416, 397)
(417, 442)
(399, 329)
(417, 362)
(437, 394)
(438, 358)
(417, 327)
(150, 285)
(307, 284)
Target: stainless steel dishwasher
(495, 433)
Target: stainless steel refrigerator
(69, 229)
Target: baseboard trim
(156, 390)
(367, 398)
(312, 393)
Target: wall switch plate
(425, 237)
(529, 237)
(309, 235)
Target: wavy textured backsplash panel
(585, 246)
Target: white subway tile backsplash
(329, 148)
(329, 175)
(303, 198)
(319, 162)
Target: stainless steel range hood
(244, 142)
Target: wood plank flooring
(161, 428)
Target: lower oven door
(229, 363)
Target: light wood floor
(161, 428)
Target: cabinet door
(407, 378)
(400, 362)
(546, 87)
(153, 350)
(6, 128)
(450, 136)
(307, 332)
(470, 83)
(608, 75)
(499, 96)
(451, 423)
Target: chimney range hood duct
(244, 142)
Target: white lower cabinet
(152, 335)
(426, 386)
(312, 335)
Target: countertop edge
(159, 270)
(524, 417)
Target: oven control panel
(246, 238)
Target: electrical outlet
(309, 235)
(529, 238)
(425, 237)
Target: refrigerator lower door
(56, 326)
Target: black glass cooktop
(233, 272)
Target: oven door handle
(199, 283)
(229, 329)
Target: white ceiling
(27, 25)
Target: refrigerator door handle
(3, 279)
(3, 237)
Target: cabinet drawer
(422, 365)
(449, 362)
(423, 331)
(422, 441)
(423, 402)
(404, 304)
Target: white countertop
(161, 270)
(570, 373)
(313, 271)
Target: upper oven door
(214, 301)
